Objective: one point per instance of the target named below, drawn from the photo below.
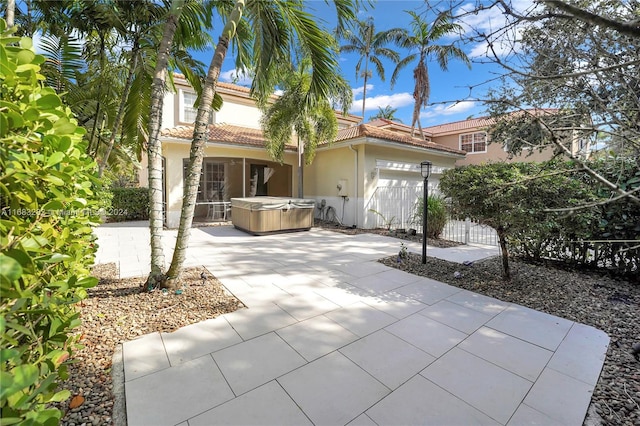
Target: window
(187, 111)
(212, 181)
(474, 142)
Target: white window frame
(183, 105)
(473, 135)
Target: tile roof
(227, 133)
(384, 122)
(457, 126)
(366, 130)
(223, 133)
(481, 122)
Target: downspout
(355, 181)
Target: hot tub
(267, 215)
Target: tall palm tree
(181, 19)
(371, 46)
(387, 112)
(314, 122)
(421, 41)
(279, 29)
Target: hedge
(129, 204)
(47, 190)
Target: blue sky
(451, 98)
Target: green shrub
(46, 239)
(518, 199)
(436, 215)
(129, 204)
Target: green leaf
(54, 180)
(87, 282)
(60, 396)
(48, 102)
(24, 376)
(10, 269)
(55, 158)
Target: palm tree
(387, 112)
(279, 28)
(420, 40)
(370, 45)
(313, 122)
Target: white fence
(395, 207)
(468, 232)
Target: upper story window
(474, 142)
(187, 111)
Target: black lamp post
(425, 171)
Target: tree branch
(629, 28)
(599, 203)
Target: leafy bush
(516, 199)
(436, 215)
(129, 204)
(46, 240)
(512, 198)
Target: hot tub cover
(272, 203)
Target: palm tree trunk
(154, 151)
(416, 116)
(11, 12)
(200, 136)
(364, 90)
(121, 109)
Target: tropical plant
(387, 222)
(436, 215)
(100, 52)
(388, 113)
(279, 30)
(422, 39)
(371, 46)
(314, 121)
(47, 193)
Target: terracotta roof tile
(456, 126)
(365, 130)
(480, 122)
(223, 133)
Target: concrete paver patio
(331, 337)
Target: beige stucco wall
(239, 114)
(338, 163)
(236, 110)
(282, 183)
(495, 152)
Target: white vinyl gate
(395, 207)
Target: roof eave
(392, 144)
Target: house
(365, 168)
(471, 136)
(368, 177)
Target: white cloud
(236, 76)
(358, 90)
(498, 26)
(448, 109)
(397, 100)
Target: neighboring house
(471, 136)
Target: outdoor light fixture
(425, 171)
